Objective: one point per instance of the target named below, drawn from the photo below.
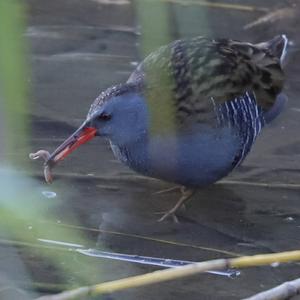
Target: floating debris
(289, 219)
(49, 194)
(275, 264)
(134, 63)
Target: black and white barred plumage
(245, 118)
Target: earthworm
(45, 156)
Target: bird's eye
(105, 117)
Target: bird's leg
(186, 193)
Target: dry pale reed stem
(175, 273)
(272, 17)
(284, 291)
(220, 5)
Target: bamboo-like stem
(171, 274)
(157, 276)
(264, 259)
(284, 291)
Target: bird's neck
(133, 154)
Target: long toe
(169, 214)
(185, 195)
(174, 188)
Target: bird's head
(119, 113)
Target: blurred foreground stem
(13, 80)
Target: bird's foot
(185, 195)
(170, 214)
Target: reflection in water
(145, 260)
(61, 243)
(153, 261)
(49, 194)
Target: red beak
(82, 135)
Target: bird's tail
(277, 46)
(277, 107)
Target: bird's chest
(192, 159)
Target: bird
(189, 113)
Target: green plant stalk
(14, 77)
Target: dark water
(78, 48)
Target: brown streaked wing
(188, 73)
